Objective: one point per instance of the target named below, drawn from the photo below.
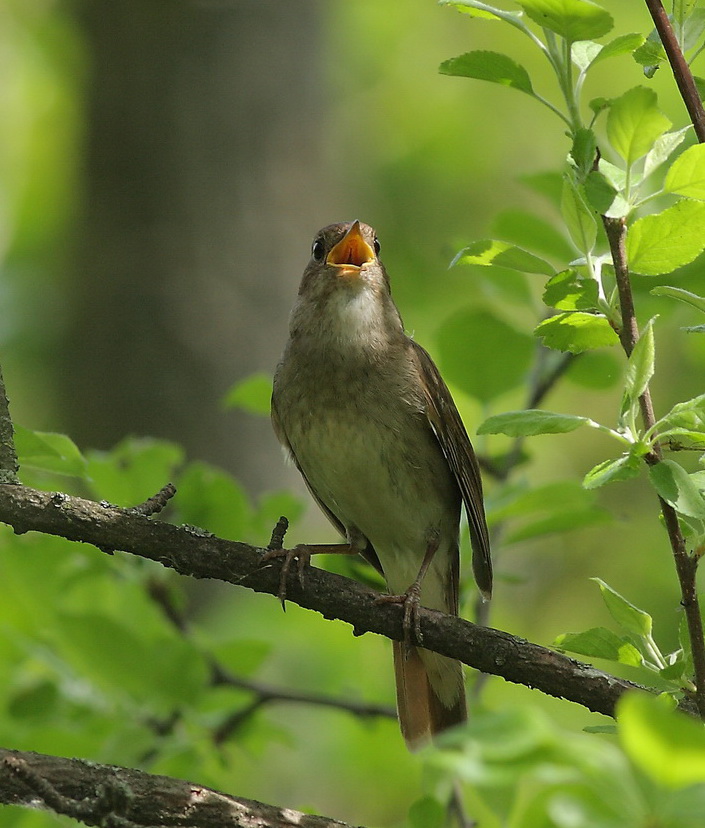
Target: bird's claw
(301, 554)
(411, 599)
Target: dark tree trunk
(202, 172)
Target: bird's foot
(411, 599)
(301, 554)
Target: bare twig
(205, 556)
(679, 65)
(278, 533)
(264, 693)
(157, 502)
(116, 797)
(686, 564)
(8, 455)
(542, 379)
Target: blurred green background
(163, 168)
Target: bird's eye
(318, 250)
(377, 246)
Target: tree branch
(263, 694)
(686, 564)
(192, 551)
(116, 797)
(679, 65)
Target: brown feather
(421, 712)
(456, 446)
(385, 449)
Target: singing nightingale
(363, 412)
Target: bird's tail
(430, 693)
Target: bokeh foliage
(93, 666)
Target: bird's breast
(361, 437)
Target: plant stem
(685, 562)
(679, 65)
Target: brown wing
(455, 443)
(369, 553)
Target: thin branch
(116, 797)
(686, 564)
(8, 455)
(201, 555)
(542, 379)
(157, 503)
(263, 693)
(679, 65)
(268, 693)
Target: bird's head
(345, 288)
(346, 253)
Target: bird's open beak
(352, 251)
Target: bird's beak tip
(352, 251)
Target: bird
(364, 414)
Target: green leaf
(604, 197)
(675, 486)
(640, 369)
(532, 232)
(615, 176)
(619, 46)
(483, 10)
(684, 435)
(134, 470)
(48, 451)
(576, 332)
(529, 422)
(569, 290)
(661, 243)
(689, 414)
(112, 656)
(578, 215)
(594, 369)
(37, 701)
(570, 19)
(634, 123)
(650, 55)
(559, 521)
(584, 150)
(693, 29)
(489, 66)
(675, 670)
(665, 744)
(489, 252)
(662, 149)
(584, 52)
(692, 299)
(599, 642)
(549, 184)
(700, 86)
(686, 175)
(252, 394)
(427, 812)
(599, 104)
(523, 500)
(631, 618)
(274, 504)
(471, 332)
(612, 471)
(213, 500)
